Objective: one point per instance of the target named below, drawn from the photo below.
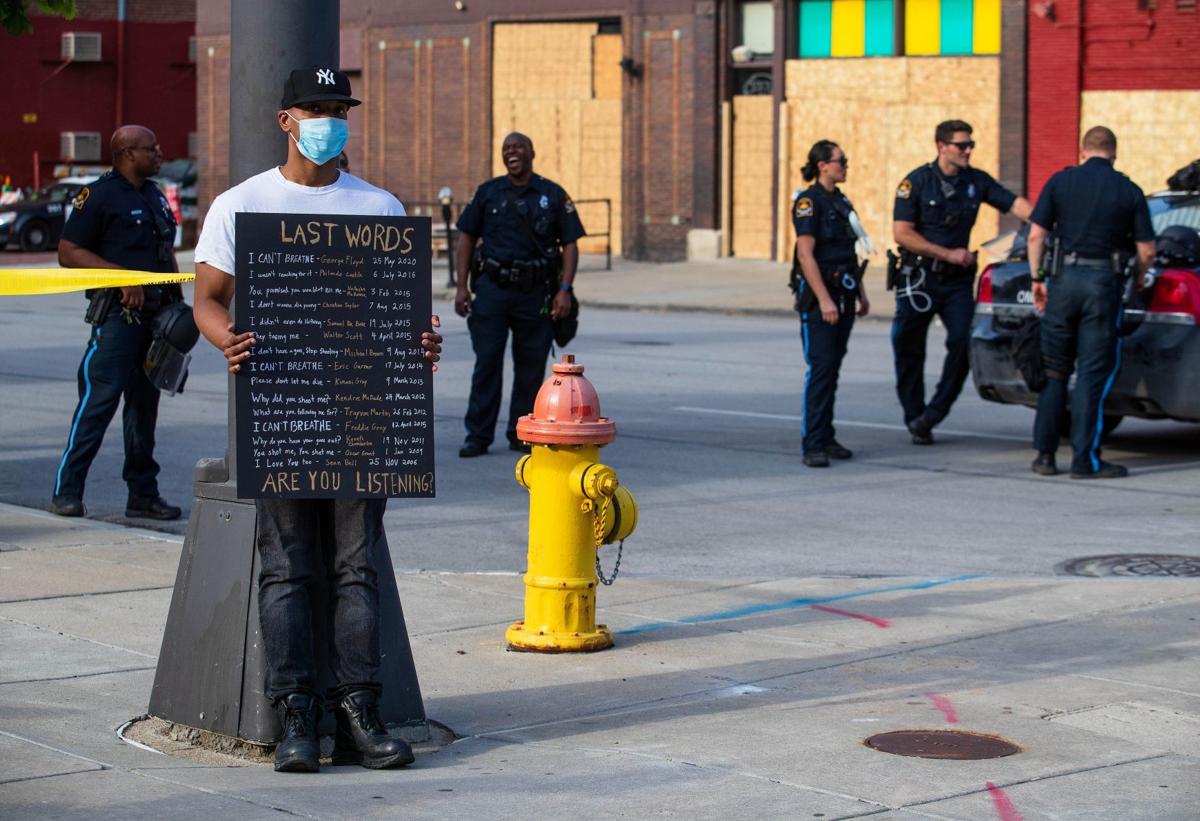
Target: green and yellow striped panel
(866, 28)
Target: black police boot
(299, 750)
(471, 449)
(1107, 471)
(520, 447)
(922, 430)
(64, 505)
(361, 737)
(1044, 465)
(836, 450)
(151, 507)
(816, 459)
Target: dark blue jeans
(495, 312)
(305, 545)
(111, 369)
(824, 349)
(1083, 312)
(954, 304)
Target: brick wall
(659, 181)
(1127, 47)
(1053, 92)
(427, 117)
(1013, 111)
(1104, 45)
(212, 118)
(146, 11)
(158, 84)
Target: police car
(1159, 376)
(34, 224)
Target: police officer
(935, 209)
(526, 227)
(1099, 216)
(826, 278)
(122, 220)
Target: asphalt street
(770, 619)
(708, 413)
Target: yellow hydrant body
(576, 505)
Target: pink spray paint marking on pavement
(848, 614)
(1004, 806)
(943, 704)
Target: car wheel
(35, 236)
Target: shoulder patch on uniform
(905, 189)
(804, 207)
(569, 205)
(81, 197)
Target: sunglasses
(964, 145)
(844, 160)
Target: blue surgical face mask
(322, 138)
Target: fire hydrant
(576, 505)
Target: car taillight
(985, 285)
(1176, 292)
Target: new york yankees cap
(315, 85)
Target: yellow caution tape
(31, 281)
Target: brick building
(1132, 65)
(694, 117)
(72, 82)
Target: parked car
(34, 224)
(1159, 375)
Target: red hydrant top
(566, 411)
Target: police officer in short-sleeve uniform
(1099, 217)
(935, 209)
(526, 227)
(826, 278)
(122, 220)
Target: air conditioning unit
(81, 46)
(193, 144)
(80, 146)
(191, 50)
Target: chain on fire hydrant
(576, 505)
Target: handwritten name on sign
(336, 399)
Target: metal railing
(451, 210)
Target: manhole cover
(647, 343)
(957, 745)
(1132, 564)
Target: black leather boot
(299, 750)
(361, 737)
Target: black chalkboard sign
(336, 399)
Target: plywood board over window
(883, 111)
(574, 122)
(753, 125)
(1155, 130)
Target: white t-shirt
(272, 193)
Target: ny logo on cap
(325, 76)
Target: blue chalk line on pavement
(791, 604)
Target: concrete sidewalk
(724, 698)
(728, 286)
(749, 287)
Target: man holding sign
(298, 537)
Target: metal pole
(210, 668)
(446, 198)
(267, 40)
(608, 240)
